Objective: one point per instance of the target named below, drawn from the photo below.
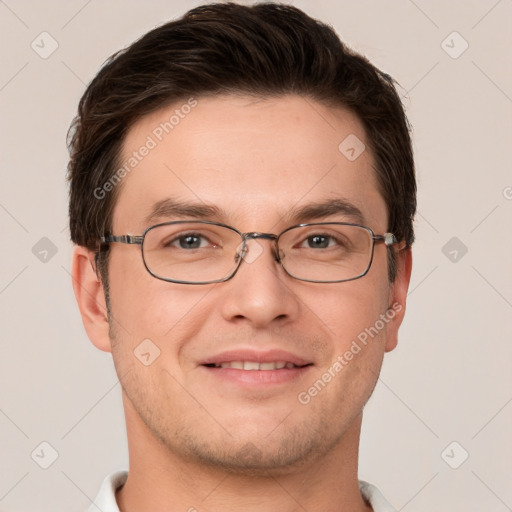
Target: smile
(254, 365)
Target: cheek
(144, 305)
(146, 308)
(348, 309)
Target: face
(257, 163)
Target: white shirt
(106, 499)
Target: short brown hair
(265, 50)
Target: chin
(261, 456)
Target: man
(242, 197)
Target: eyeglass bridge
(253, 236)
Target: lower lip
(257, 377)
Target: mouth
(254, 365)
(252, 368)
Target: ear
(398, 296)
(89, 293)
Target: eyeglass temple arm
(105, 240)
(388, 238)
(122, 239)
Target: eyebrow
(328, 208)
(171, 208)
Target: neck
(160, 480)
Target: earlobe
(89, 294)
(398, 297)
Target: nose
(260, 293)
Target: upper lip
(266, 356)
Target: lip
(266, 356)
(255, 378)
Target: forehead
(254, 160)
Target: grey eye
(318, 241)
(189, 242)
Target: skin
(199, 441)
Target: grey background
(449, 379)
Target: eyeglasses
(204, 252)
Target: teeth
(253, 365)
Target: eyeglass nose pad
(241, 251)
(278, 254)
(249, 255)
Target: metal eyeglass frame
(388, 239)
